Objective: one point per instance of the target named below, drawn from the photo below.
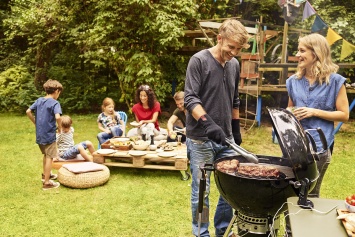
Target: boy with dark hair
(47, 112)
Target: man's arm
(171, 122)
(197, 112)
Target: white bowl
(349, 207)
(119, 139)
(153, 147)
(141, 146)
(172, 143)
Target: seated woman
(146, 111)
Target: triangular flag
(318, 24)
(281, 3)
(298, 2)
(308, 11)
(332, 36)
(346, 49)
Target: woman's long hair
(323, 65)
(150, 94)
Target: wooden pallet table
(122, 158)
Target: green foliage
(101, 48)
(16, 90)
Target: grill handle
(246, 154)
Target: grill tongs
(252, 158)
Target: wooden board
(149, 161)
(341, 212)
(107, 145)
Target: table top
(179, 152)
(318, 222)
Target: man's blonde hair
(322, 65)
(179, 95)
(234, 30)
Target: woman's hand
(140, 123)
(304, 112)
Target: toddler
(65, 142)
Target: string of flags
(290, 12)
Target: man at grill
(212, 101)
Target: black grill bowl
(255, 196)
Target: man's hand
(236, 131)
(212, 130)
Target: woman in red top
(146, 111)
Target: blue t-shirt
(316, 96)
(45, 110)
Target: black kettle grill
(258, 201)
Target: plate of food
(106, 151)
(137, 153)
(168, 149)
(134, 123)
(167, 154)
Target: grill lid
(294, 143)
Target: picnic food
(350, 199)
(349, 221)
(167, 147)
(233, 166)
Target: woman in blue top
(318, 96)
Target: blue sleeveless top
(316, 96)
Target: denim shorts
(73, 151)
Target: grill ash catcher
(259, 200)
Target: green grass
(134, 202)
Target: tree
(110, 42)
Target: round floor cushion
(83, 180)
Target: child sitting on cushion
(65, 141)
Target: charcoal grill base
(256, 226)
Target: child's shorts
(49, 150)
(72, 152)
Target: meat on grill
(228, 166)
(233, 167)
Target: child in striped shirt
(65, 141)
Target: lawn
(134, 202)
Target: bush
(16, 90)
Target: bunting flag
(318, 25)
(321, 27)
(346, 49)
(290, 13)
(281, 3)
(298, 2)
(308, 11)
(332, 36)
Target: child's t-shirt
(45, 110)
(108, 121)
(65, 141)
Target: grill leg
(229, 228)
